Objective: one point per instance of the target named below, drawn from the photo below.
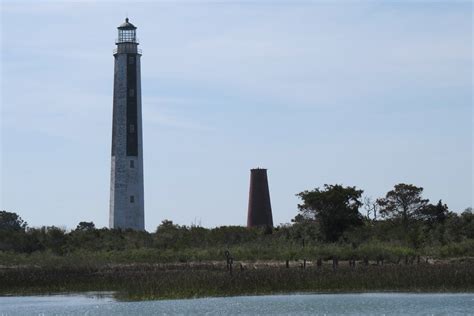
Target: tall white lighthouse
(126, 181)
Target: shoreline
(110, 294)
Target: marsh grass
(148, 273)
(161, 281)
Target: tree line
(336, 209)
(333, 214)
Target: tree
(12, 221)
(56, 239)
(468, 222)
(403, 202)
(335, 208)
(371, 207)
(85, 226)
(434, 214)
(168, 234)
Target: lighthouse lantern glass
(126, 36)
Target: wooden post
(352, 263)
(380, 260)
(287, 263)
(227, 256)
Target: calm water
(311, 304)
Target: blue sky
(361, 93)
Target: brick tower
(126, 181)
(260, 209)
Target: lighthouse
(126, 180)
(260, 210)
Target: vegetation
(404, 202)
(183, 261)
(335, 208)
(157, 282)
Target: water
(300, 304)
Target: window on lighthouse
(132, 199)
(131, 92)
(132, 128)
(126, 36)
(132, 164)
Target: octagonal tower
(126, 181)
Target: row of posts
(352, 262)
(319, 262)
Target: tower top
(127, 25)
(127, 33)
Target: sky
(359, 93)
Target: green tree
(168, 234)
(404, 202)
(335, 208)
(54, 238)
(468, 222)
(11, 221)
(85, 226)
(434, 214)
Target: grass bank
(251, 251)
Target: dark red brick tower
(260, 209)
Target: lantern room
(127, 33)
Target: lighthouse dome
(127, 26)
